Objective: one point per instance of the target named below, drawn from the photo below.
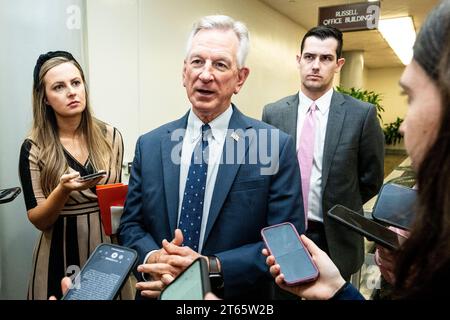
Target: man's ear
(184, 73)
(298, 58)
(340, 63)
(242, 76)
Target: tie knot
(313, 107)
(205, 128)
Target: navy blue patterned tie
(194, 193)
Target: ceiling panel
(377, 53)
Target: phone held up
(192, 284)
(92, 176)
(395, 206)
(284, 243)
(368, 228)
(8, 195)
(104, 274)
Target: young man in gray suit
(339, 143)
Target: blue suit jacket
(243, 202)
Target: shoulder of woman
(28, 143)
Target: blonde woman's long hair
(44, 133)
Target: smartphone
(284, 243)
(192, 284)
(104, 274)
(395, 206)
(92, 176)
(372, 230)
(8, 195)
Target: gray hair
(221, 22)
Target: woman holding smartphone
(65, 142)
(422, 264)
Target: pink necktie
(306, 154)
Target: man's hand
(163, 267)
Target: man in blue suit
(212, 179)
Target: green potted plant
(392, 133)
(365, 95)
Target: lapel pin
(235, 136)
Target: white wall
(136, 52)
(385, 82)
(27, 29)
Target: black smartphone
(8, 195)
(372, 230)
(192, 284)
(284, 243)
(92, 176)
(395, 206)
(104, 274)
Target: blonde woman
(65, 142)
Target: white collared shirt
(315, 187)
(216, 140)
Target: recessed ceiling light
(400, 35)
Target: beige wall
(136, 50)
(385, 81)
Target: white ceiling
(377, 53)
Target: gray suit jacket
(352, 169)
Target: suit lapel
(227, 172)
(171, 169)
(334, 126)
(289, 117)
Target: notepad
(111, 200)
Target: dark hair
(44, 58)
(423, 265)
(325, 32)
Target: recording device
(192, 284)
(92, 176)
(370, 229)
(395, 206)
(8, 195)
(284, 243)
(104, 274)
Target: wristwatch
(215, 275)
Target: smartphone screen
(395, 206)
(285, 245)
(192, 284)
(372, 230)
(104, 273)
(7, 195)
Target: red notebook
(110, 195)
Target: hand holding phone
(92, 176)
(284, 243)
(104, 274)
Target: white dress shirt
(216, 140)
(315, 187)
